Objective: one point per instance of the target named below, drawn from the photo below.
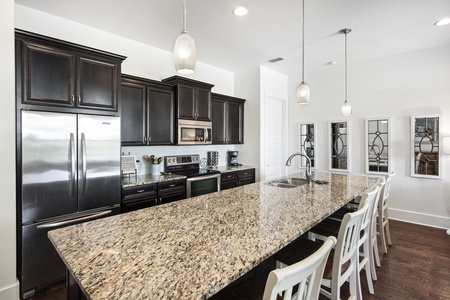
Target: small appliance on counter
(232, 158)
(212, 159)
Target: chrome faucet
(308, 164)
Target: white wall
(253, 84)
(247, 84)
(397, 87)
(9, 288)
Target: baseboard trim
(419, 218)
(10, 292)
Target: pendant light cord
(303, 43)
(346, 66)
(184, 16)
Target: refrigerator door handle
(71, 221)
(83, 168)
(73, 166)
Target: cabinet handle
(72, 99)
(79, 99)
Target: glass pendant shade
(346, 109)
(184, 53)
(303, 93)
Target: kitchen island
(191, 249)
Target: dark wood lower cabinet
(147, 195)
(237, 178)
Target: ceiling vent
(274, 60)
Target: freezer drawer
(40, 264)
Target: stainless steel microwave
(194, 132)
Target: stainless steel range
(199, 181)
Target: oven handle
(199, 178)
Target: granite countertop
(192, 248)
(133, 180)
(130, 181)
(225, 169)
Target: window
(339, 149)
(377, 145)
(308, 143)
(425, 149)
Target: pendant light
(346, 107)
(184, 50)
(303, 92)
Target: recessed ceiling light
(442, 22)
(240, 11)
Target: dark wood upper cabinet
(97, 84)
(193, 98)
(160, 115)
(227, 119)
(55, 74)
(133, 112)
(147, 112)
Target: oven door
(201, 185)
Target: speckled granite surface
(129, 181)
(225, 169)
(192, 248)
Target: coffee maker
(232, 158)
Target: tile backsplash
(143, 167)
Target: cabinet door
(133, 114)
(48, 75)
(218, 109)
(228, 180)
(186, 102)
(246, 177)
(97, 83)
(170, 191)
(160, 116)
(227, 119)
(235, 128)
(203, 111)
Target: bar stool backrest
(306, 274)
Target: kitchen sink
(289, 182)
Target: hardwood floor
(417, 266)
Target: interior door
(274, 137)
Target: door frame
(284, 145)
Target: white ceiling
(271, 29)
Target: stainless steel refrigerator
(70, 173)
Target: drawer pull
(172, 185)
(140, 191)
